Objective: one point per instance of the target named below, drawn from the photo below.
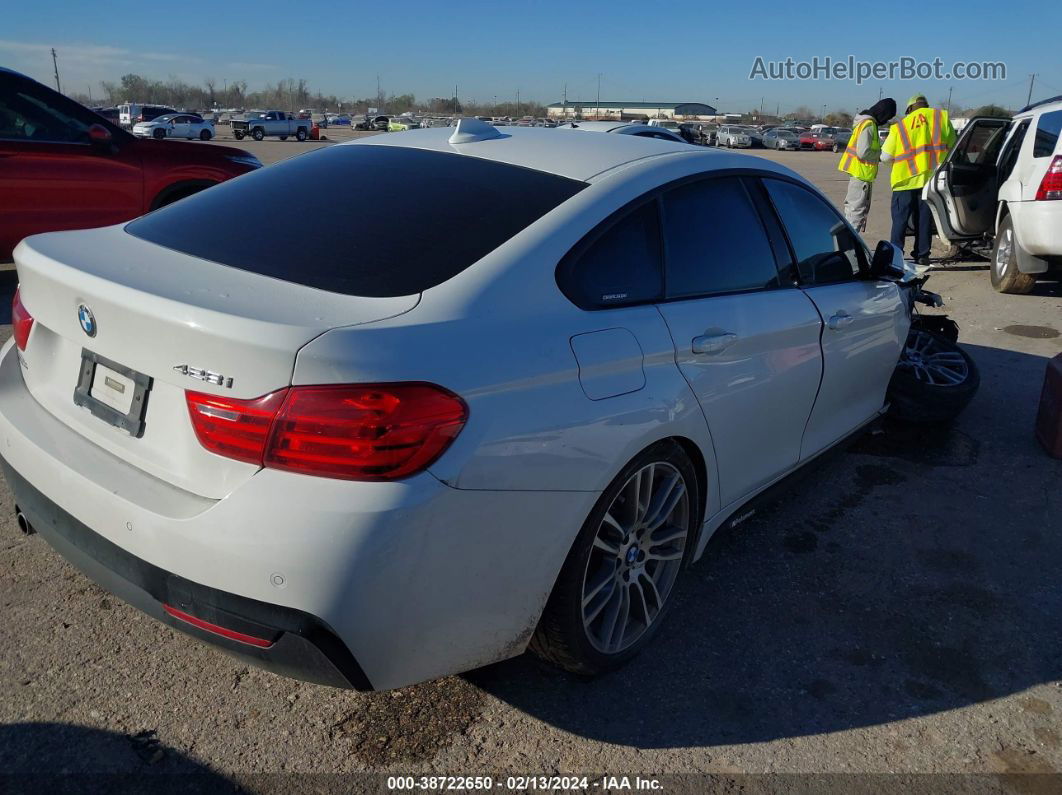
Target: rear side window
(825, 247)
(1047, 131)
(715, 240)
(411, 219)
(621, 265)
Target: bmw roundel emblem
(87, 320)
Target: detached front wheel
(615, 587)
(934, 380)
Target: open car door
(962, 194)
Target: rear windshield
(405, 221)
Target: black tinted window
(715, 240)
(30, 112)
(620, 266)
(826, 248)
(410, 220)
(1047, 131)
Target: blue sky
(674, 51)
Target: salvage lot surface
(898, 611)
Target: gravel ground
(898, 612)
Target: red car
(64, 167)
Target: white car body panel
(775, 351)
(859, 355)
(450, 568)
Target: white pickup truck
(274, 123)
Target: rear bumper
(300, 645)
(415, 578)
(1038, 226)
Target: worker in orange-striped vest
(860, 160)
(916, 146)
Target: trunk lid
(176, 319)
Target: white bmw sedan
(582, 355)
(176, 125)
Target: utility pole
(55, 64)
(879, 94)
(455, 100)
(1028, 99)
(950, 89)
(379, 95)
(598, 93)
(761, 106)
(518, 103)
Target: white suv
(1003, 182)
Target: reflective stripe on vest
(852, 163)
(908, 153)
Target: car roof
(596, 126)
(580, 157)
(574, 156)
(1043, 104)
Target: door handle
(841, 320)
(713, 343)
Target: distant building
(623, 111)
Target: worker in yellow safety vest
(916, 145)
(860, 160)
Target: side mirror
(100, 136)
(888, 263)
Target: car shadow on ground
(64, 757)
(915, 573)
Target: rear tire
(1006, 277)
(204, 135)
(934, 380)
(616, 584)
(239, 134)
(300, 134)
(258, 134)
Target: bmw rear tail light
(1051, 185)
(233, 428)
(21, 321)
(352, 432)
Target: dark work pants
(908, 204)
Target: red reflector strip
(231, 634)
(21, 321)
